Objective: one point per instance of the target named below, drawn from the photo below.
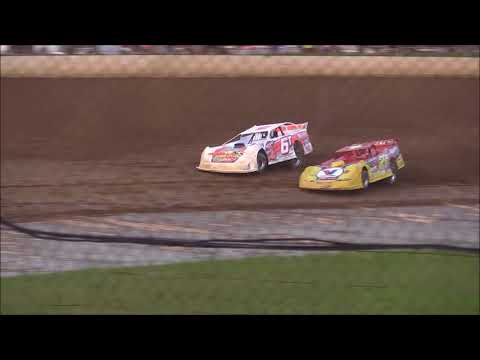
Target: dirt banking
(155, 130)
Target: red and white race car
(255, 148)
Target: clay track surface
(119, 156)
(87, 146)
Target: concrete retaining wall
(234, 66)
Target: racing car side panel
(282, 149)
(242, 157)
(279, 150)
(379, 167)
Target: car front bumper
(227, 168)
(312, 184)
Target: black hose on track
(291, 244)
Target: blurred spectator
(39, 49)
(145, 49)
(288, 49)
(308, 49)
(48, 49)
(180, 49)
(387, 50)
(323, 49)
(251, 50)
(199, 49)
(4, 49)
(109, 49)
(161, 49)
(127, 49)
(217, 50)
(348, 49)
(82, 49)
(228, 49)
(430, 49)
(21, 49)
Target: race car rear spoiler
(386, 142)
(291, 126)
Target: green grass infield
(329, 283)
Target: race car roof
(366, 145)
(267, 127)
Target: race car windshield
(260, 136)
(349, 155)
(242, 138)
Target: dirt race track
(86, 146)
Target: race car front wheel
(393, 166)
(365, 180)
(262, 162)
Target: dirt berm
(134, 143)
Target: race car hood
(226, 153)
(332, 163)
(313, 173)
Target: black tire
(365, 179)
(393, 166)
(262, 162)
(300, 156)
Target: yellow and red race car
(355, 167)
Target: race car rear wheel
(393, 166)
(299, 153)
(365, 179)
(262, 161)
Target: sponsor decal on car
(330, 173)
(230, 156)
